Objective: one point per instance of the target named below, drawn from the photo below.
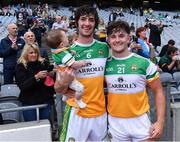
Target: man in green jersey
(127, 75)
(89, 123)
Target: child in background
(72, 38)
(58, 43)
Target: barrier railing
(37, 107)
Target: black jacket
(8, 54)
(164, 50)
(155, 35)
(32, 91)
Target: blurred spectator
(141, 11)
(165, 48)
(121, 12)
(31, 72)
(142, 40)
(113, 16)
(101, 30)
(45, 12)
(9, 47)
(170, 62)
(59, 24)
(29, 21)
(22, 25)
(23, 12)
(150, 11)
(131, 11)
(29, 38)
(72, 20)
(50, 22)
(38, 29)
(132, 28)
(65, 20)
(155, 34)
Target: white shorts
(84, 129)
(129, 129)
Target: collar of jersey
(85, 45)
(124, 58)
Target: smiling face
(86, 25)
(142, 34)
(118, 41)
(32, 55)
(29, 37)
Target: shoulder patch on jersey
(133, 67)
(100, 52)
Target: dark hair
(54, 38)
(171, 41)
(171, 50)
(86, 10)
(140, 29)
(116, 26)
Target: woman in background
(31, 72)
(143, 41)
(101, 30)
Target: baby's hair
(72, 37)
(54, 38)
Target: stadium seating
(10, 90)
(166, 77)
(9, 99)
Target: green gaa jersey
(91, 76)
(126, 80)
(62, 57)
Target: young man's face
(86, 25)
(176, 53)
(118, 41)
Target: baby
(57, 41)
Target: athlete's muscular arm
(66, 77)
(157, 128)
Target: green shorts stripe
(67, 113)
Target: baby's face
(65, 41)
